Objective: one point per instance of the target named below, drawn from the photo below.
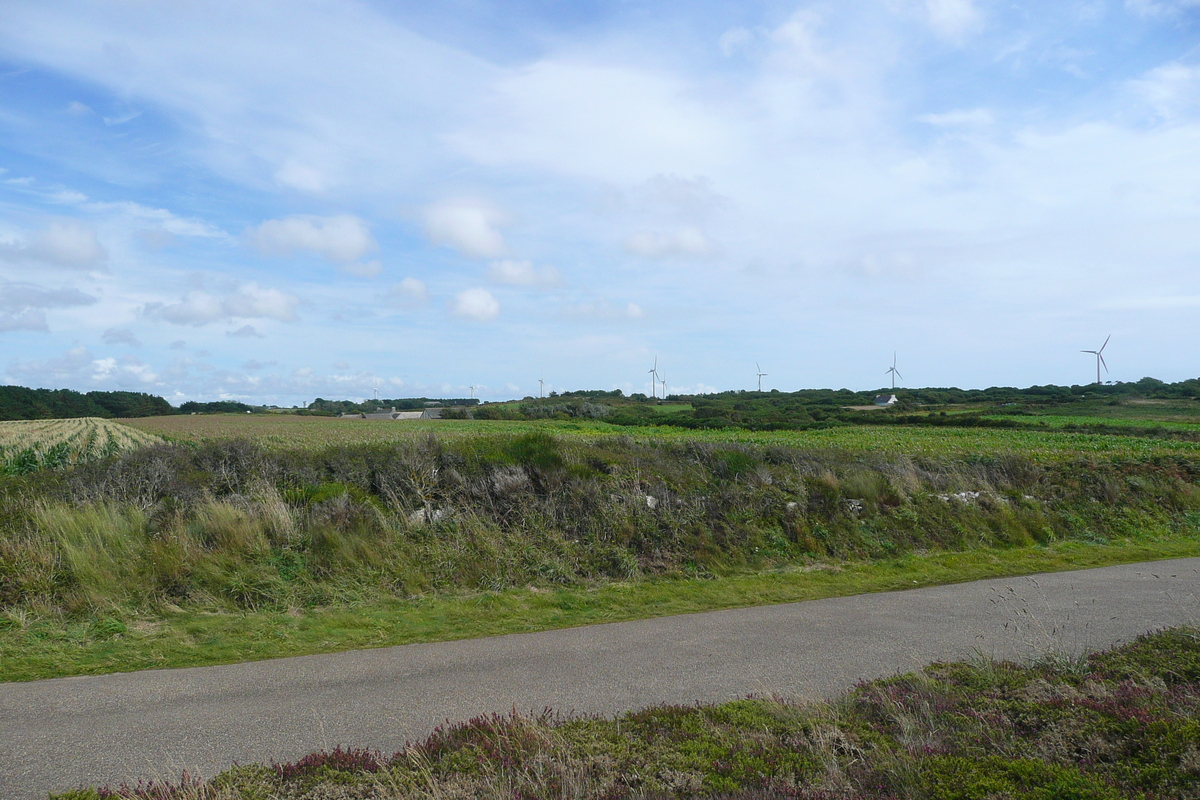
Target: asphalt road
(59, 734)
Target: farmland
(283, 431)
(27, 445)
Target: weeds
(232, 525)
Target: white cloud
(341, 239)
(953, 20)
(79, 109)
(23, 305)
(634, 311)
(407, 293)
(250, 301)
(66, 243)
(78, 368)
(469, 226)
(120, 336)
(476, 304)
(522, 273)
(246, 332)
(687, 241)
(1171, 90)
(300, 176)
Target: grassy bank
(49, 647)
(226, 550)
(1121, 724)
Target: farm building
(392, 413)
(885, 400)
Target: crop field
(26, 445)
(318, 432)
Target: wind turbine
(653, 373)
(472, 391)
(377, 389)
(761, 375)
(664, 385)
(541, 383)
(1099, 357)
(895, 373)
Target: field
(27, 445)
(318, 432)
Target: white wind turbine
(895, 373)
(761, 375)
(663, 380)
(653, 373)
(472, 391)
(376, 388)
(541, 384)
(1099, 357)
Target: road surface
(59, 734)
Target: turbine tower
(472, 391)
(541, 384)
(895, 373)
(653, 373)
(761, 375)
(377, 389)
(1099, 357)
(663, 379)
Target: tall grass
(234, 525)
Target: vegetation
(1121, 724)
(18, 402)
(28, 446)
(34, 645)
(231, 526)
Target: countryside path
(58, 734)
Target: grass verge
(31, 649)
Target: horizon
(286, 200)
(580, 392)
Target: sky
(282, 200)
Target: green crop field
(27, 445)
(317, 432)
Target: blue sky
(275, 201)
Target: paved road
(58, 734)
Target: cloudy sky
(274, 201)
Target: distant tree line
(19, 402)
(332, 408)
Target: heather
(1118, 724)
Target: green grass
(32, 648)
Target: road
(59, 734)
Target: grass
(228, 547)
(1120, 724)
(45, 648)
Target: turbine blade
(1101, 350)
(1102, 361)
(898, 375)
